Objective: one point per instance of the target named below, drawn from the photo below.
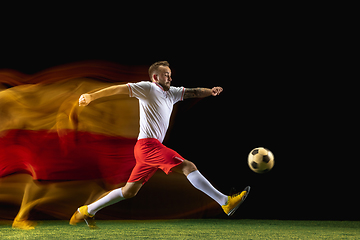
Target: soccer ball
(261, 160)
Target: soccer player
(156, 100)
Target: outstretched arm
(85, 99)
(202, 92)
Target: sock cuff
(120, 193)
(192, 174)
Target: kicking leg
(200, 182)
(229, 203)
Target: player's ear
(155, 78)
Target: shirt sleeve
(139, 90)
(177, 93)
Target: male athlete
(156, 100)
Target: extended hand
(216, 91)
(84, 100)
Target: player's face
(164, 77)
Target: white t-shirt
(156, 106)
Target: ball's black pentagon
(254, 165)
(254, 152)
(266, 158)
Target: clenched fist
(84, 100)
(216, 91)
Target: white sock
(201, 183)
(113, 197)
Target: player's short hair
(154, 67)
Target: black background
(280, 92)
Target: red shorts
(150, 155)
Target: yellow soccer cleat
(82, 214)
(235, 201)
(24, 224)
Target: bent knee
(129, 194)
(189, 167)
(131, 189)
